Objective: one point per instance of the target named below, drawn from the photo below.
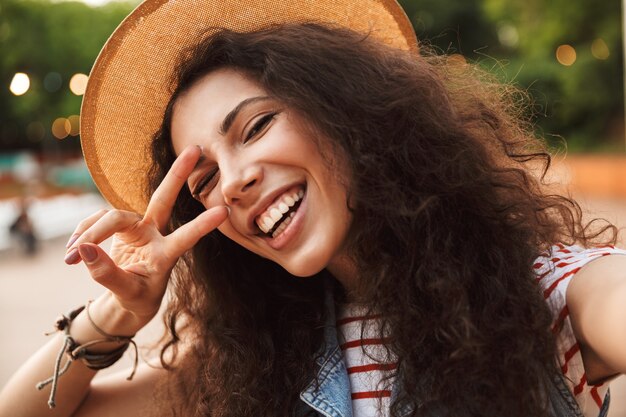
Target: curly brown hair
(449, 212)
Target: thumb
(103, 270)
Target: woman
(400, 186)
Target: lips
(279, 213)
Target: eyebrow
(228, 122)
(230, 117)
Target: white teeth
(275, 214)
(283, 225)
(280, 229)
(268, 221)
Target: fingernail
(72, 240)
(88, 253)
(228, 208)
(200, 147)
(72, 256)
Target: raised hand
(142, 257)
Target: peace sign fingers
(186, 236)
(162, 201)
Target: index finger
(186, 236)
(162, 201)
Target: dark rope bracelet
(74, 351)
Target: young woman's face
(286, 203)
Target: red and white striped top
(554, 273)
(371, 395)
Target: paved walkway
(33, 291)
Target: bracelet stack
(75, 351)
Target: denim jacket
(332, 398)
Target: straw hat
(128, 87)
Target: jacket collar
(332, 397)
(329, 393)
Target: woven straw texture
(129, 85)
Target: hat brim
(129, 84)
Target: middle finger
(162, 201)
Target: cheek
(292, 141)
(213, 199)
(231, 233)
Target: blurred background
(567, 55)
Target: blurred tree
(452, 26)
(582, 102)
(50, 42)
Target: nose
(239, 182)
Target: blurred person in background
(347, 225)
(22, 229)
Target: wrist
(105, 315)
(81, 343)
(111, 317)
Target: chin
(304, 269)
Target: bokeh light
(61, 128)
(457, 60)
(19, 84)
(78, 83)
(599, 49)
(52, 82)
(457, 63)
(566, 55)
(508, 35)
(74, 125)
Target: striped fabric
(370, 395)
(554, 275)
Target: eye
(205, 183)
(259, 126)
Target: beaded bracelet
(74, 351)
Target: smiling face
(287, 205)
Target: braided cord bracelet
(74, 351)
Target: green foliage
(584, 102)
(38, 38)
(452, 26)
(517, 39)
